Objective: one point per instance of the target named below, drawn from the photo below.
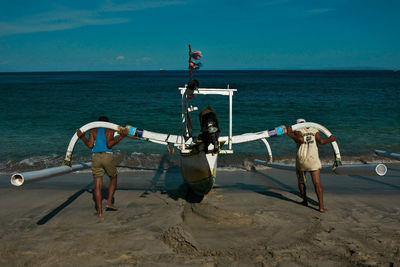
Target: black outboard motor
(209, 128)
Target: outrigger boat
(199, 155)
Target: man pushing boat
(307, 159)
(101, 141)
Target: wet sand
(250, 218)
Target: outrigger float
(386, 154)
(199, 155)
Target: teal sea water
(39, 112)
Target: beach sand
(250, 218)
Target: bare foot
(98, 214)
(322, 210)
(111, 208)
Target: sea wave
(148, 161)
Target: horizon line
(163, 70)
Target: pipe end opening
(381, 169)
(17, 179)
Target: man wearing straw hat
(307, 159)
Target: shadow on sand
(175, 188)
(287, 188)
(54, 212)
(374, 181)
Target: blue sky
(89, 35)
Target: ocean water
(40, 112)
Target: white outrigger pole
(18, 179)
(360, 169)
(337, 167)
(388, 154)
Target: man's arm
(296, 135)
(323, 141)
(111, 141)
(89, 143)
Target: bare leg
(98, 183)
(111, 190)
(302, 189)
(315, 175)
(301, 180)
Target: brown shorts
(103, 162)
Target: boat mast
(190, 70)
(186, 133)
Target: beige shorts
(103, 162)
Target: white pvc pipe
(247, 137)
(268, 149)
(324, 131)
(361, 169)
(366, 169)
(19, 179)
(388, 154)
(146, 135)
(85, 128)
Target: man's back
(307, 157)
(100, 142)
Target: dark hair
(103, 118)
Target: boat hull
(198, 167)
